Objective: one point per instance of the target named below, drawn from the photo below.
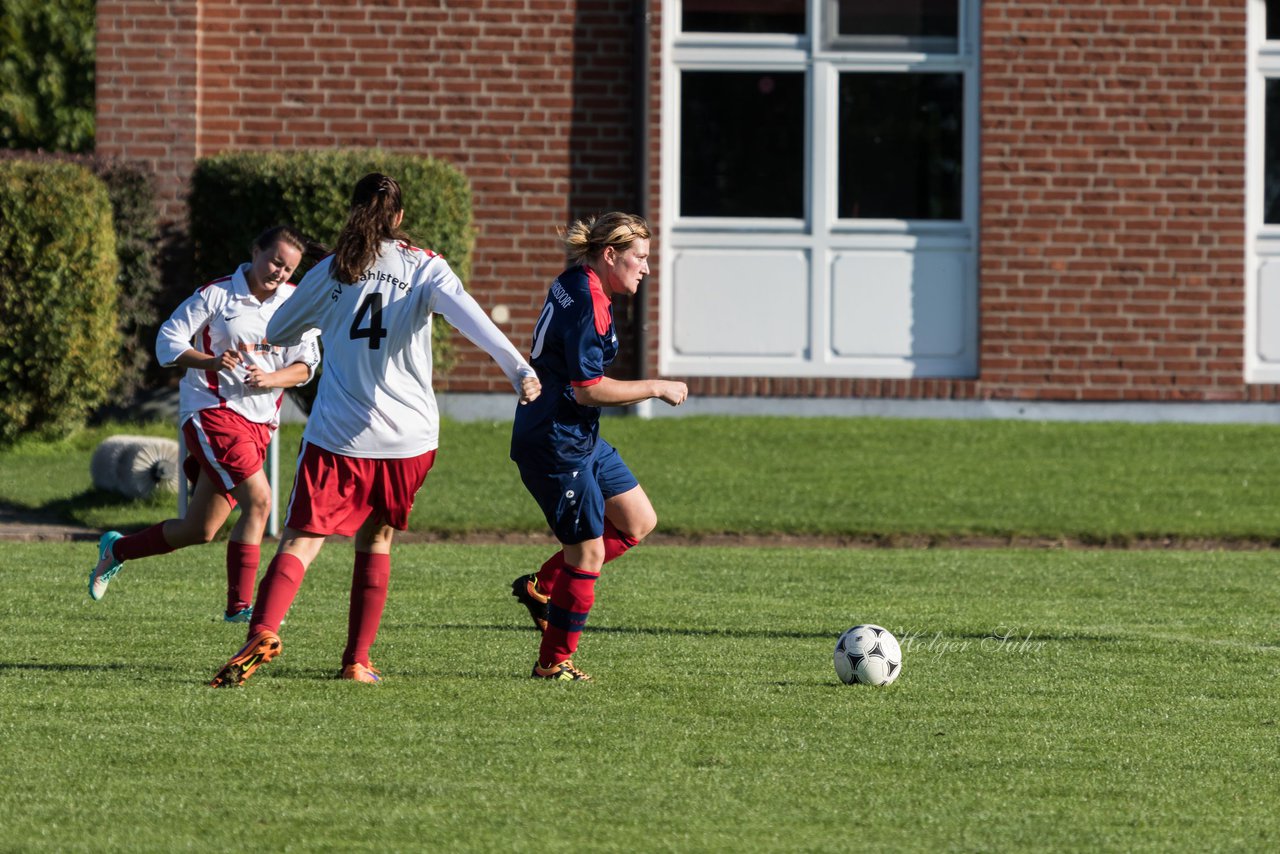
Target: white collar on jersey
(240, 287)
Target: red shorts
(333, 494)
(224, 444)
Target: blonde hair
(588, 238)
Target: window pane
(743, 16)
(742, 144)
(1273, 20)
(1271, 156)
(907, 18)
(900, 146)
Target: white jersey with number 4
(375, 399)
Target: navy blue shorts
(573, 501)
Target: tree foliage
(47, 54)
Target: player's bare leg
(206, 513)
(632, 513)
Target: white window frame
(1262, 241)
(820, 233)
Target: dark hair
(290, 236)
(375, 202)
(588, 238)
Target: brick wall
(1112, 169)
(1112, 229)
(146, 90)
(530, 98)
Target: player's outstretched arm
(611, 392)
(462, 311)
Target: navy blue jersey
(574, 341)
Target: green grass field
(810, 476)
(1050, 700)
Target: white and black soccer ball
(868, 655)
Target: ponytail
(375, 203)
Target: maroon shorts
(334, 494)
(228, 447)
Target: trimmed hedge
(135, 217)
(236, 196)
(59, 343)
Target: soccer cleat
(563, 671)
(244, 615)
(525, 589)
(360, 673)
(107, 567)
(261, 648)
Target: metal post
(273, 475)
(182, 474)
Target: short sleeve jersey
(574, 342)
(375, 399)
(224, 315)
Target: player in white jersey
(229, 404)
(372, 434)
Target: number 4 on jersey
(372, 306)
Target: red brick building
(876, 199)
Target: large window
(819, 199)
(901, 147)
(743, 119)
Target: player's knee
(643, 525)
(205, 533)
(256, 502)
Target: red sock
(571, 601)
(549, 572)
(142, 544)
(369, 580)
(616, 542)
(276, 592)
(242, 571)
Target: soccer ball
(868, 655)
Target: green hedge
(235, 196)
(59, 343)
(135, 217)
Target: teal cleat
(244, 615)
(107, 566)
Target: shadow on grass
(73, 510)
(52, 667)
(642, 630)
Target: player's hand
(229, 360)
(672, 392)
(255, 377)
(530, 388)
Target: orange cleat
(360, 673)
(562, 671)
(525, 589)
(261, 648)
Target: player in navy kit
(373, 431)
(590, 499)
(229, 405)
